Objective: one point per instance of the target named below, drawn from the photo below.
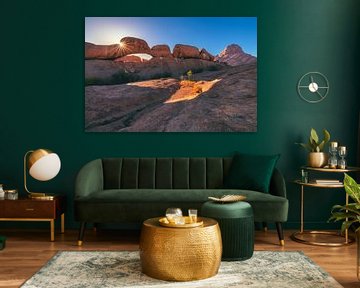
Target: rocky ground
(218, 101)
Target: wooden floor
(28, 250)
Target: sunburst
(124, 48)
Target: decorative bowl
(228, 198)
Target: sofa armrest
(89, 179)
(277, 184)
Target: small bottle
(2, 192)
(304, 176)
(11, 194)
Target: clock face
(313, 87)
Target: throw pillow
(251, 172)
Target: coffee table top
(154, 222)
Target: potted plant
(317, 157)
(350, 213)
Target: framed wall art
(170, 74)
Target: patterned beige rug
(80, 269)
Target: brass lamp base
(41, 196)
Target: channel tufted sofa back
(160, 173)
(164, 173)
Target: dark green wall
(42, 95)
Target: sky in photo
(211, 33)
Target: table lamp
(43, 165)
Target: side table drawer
(29, 209)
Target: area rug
(80, 269)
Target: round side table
(180, 254)
(310, 236)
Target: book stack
(328, 181)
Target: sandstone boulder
(93, 51)
(205, 55)
(186, 51)
(132, 45)
(161, 51)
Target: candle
(333, 151)
(342, 149)
(342, 154)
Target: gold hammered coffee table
(180, 254)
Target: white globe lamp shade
(44, 164)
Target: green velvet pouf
(236, 221)
(2, 242)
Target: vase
(317, 159)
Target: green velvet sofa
(130, 190)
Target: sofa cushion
(266, 207)
(251, 172)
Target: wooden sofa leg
(81, 233)
(265, 227)
(280, 233)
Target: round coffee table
(180, 254)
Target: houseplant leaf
(346, 225)
(314, 136)
(326, 136)
(352, 188)
(337, 216)
(307, 146)
(321, 146)
(350, 207)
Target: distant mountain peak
(234, 55)
(232, 48)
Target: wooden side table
(26, 209)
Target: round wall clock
(313, 87)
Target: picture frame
(199, 74)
